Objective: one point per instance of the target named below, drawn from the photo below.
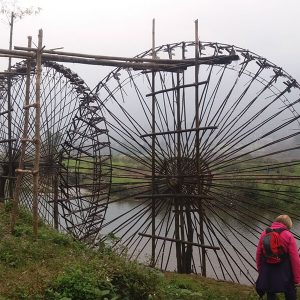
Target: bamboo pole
(91, 61)
(179, 219)
(153, 212)
(180, 241)
(15, 209)
(37, 133)
(9, 117)
(154, 59)
(155, 65)
(197, 141)
(55, 197)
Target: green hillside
(56, 267)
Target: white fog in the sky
(269, 28)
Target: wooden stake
(37, 133)
(9, 117)
(55, 199)
(15, 208)
(153, 210)
(197, 141)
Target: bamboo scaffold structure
(52, 153)
(30, 54)
(36, 140)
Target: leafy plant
(137, 282)
(81, 283)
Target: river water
(236, 233)
(235, 230)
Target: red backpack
(272, 246)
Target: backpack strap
(269, 229)
(266, 242)
(279, 230)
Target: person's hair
(285, 220)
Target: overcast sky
(269, 28)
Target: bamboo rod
(153, 246)
(16, 197)
(5, 112)
(135, 66)
(155, 65)
(178, 131)
(9, 116)
(55, 195)
(154, 59)
(55, 201)
(7, 141)
(104, 57)
(172, 196)
(176, 88)
(179, 232)
(37, 132)
(81, 60)
(179, 241)
(197, 142)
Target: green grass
(84, 166)
(54, 266)
(179, 286)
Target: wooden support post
(153, 212)
(55, 197)
(55, 200)
(16, 197)
(37, 133)
(179, 241)
(9, 117)
(179, 218)
(197, 146)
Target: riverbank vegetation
(266, 181)
(54, 266)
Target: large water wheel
(75, 153)
(203, 158)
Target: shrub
(81, 283)
(127, 281)
(137, 282)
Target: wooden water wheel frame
(75, 169)
(203, 158)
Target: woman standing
(283, 275)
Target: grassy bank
(56, 267)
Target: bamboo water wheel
(203, 159)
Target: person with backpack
(277, 260)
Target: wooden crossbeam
(179, 241)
